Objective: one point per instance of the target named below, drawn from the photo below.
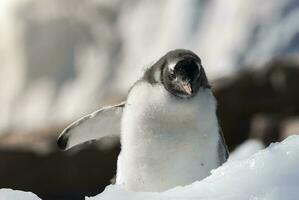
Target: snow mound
(269, 174)
(9, 194)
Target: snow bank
(269, 174)
(9, 194)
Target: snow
(269, 174)
(9, 194)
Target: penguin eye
(171, 75)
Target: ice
(9, 194)
(269, 174)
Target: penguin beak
(186, 87)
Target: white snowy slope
(9, 194)
(269, 174)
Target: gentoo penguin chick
(170, 134)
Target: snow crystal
(9, 194)
(269, 174)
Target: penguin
(169, 130)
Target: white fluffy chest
(166, 141)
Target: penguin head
(182, 74)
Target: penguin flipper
(103, 122)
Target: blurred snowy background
(61, 59)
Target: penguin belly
(166, 142)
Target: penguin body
(169, 129)
(166, 141)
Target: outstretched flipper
(101, 123)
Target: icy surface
(269, 174)
(9, 194)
